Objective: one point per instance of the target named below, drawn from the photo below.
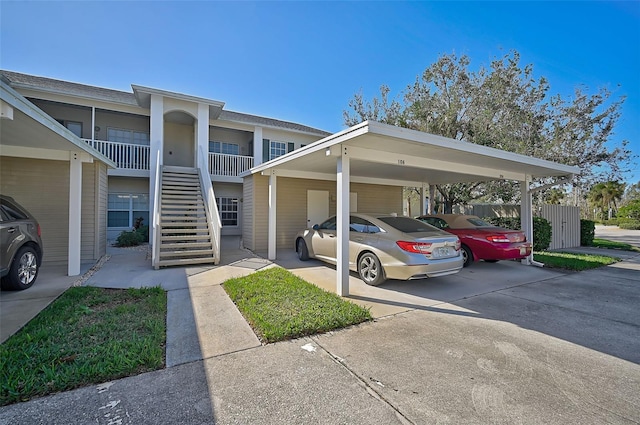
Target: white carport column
(75, 213)
(526, 214)
(423, 197)
(273, 180)
(342, 224)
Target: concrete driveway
(497, 344)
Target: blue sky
(304, 61)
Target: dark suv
(21, 246)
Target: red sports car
(481, 240)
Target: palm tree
(604, 196)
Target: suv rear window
(12, 212)
(408, 225)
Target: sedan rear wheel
(370, 270)
(467, 255)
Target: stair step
(185, 218)
(185, 261)
(185, 238)
(178, 169)
(182, 210)
(187, 189)
(186, 253)
(182, 196)
(181, 231)
(181, 245)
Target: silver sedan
(385, 246)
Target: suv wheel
(24, 270)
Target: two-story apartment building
(140, 129)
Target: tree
(554, 196)
(503, 106)
(632, 193)
(604, 196)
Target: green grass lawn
(87, 336)
(570, 261)
(279, 305)
(605, 243)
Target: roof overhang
(385, 154)
(143, 96)
(25, 130)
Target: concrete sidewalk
(502, 343)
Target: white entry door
(317, 207)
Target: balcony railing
(129, 156)
(221, 164)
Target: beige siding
(42, 187)
(128, 184)
(565, 225)
(102, 191)
(292, 206)
(248, 213)
(260, 212)
(88, 216)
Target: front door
(317, 207)
(179, 145)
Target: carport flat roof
(385, 154)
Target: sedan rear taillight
(417, 247)
(498, 238)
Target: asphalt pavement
(503, 344)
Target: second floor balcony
(135, 157)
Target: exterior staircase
(185, 235)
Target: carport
(30, 138)
(377, 153)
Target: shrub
(541, 229)
(129, 239)
(143, 232)
(629, 224)
(587, 232)
(541, 233)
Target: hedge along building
(195, 171)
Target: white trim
(75, 213)
(273, 180)
(257, 146)
(41, 153)
(526, 215)
(332, 177)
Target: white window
(277, 149)
(228, 209)
(123, 209)
(73, 126)
(127, 136)
(224, 147)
